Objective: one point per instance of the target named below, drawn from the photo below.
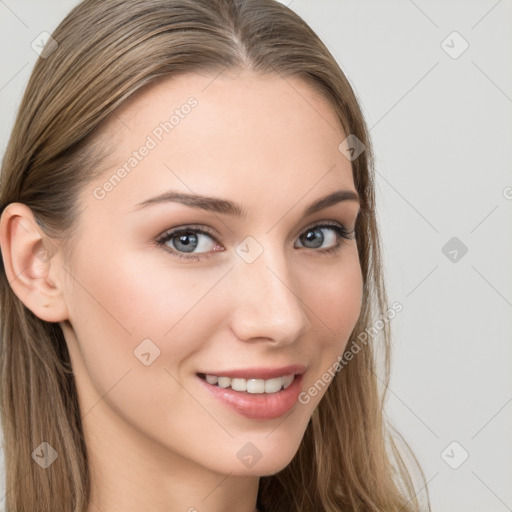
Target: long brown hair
(104, 51)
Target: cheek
(136, 326)
(118, 302)
(336, 306)
(335, 296)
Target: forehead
(240, 135)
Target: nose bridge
(267, 304)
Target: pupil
(188, 241)
(319, 237)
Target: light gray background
(442, 130)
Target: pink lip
(261, 406)
(259, 373)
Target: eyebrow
(223, 206)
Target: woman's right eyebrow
(211, 204)
(226, 207)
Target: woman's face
(251, 294)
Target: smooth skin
(156, 440)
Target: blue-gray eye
(184, 242)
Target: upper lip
(259, 372)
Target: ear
(30, 266)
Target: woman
(190, 259)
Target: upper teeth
(252, 385)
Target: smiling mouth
(254, 386)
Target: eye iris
(318, 238)
(189, 241)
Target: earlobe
(28, 256)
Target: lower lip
(258, 406)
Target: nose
(267, 304)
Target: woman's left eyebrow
(224, 206)
(330, 200)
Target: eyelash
(342, 232)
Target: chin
(263, 458)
